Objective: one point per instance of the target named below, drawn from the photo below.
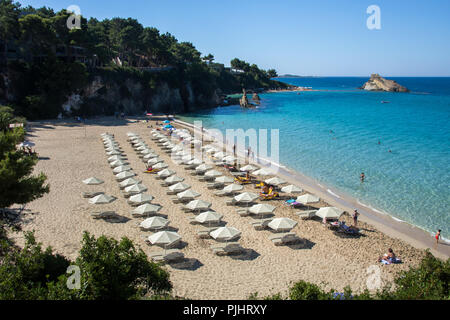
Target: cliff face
(129, 96)
(378, 83)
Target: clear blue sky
(322, 37)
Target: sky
(302, 37)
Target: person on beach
(390, 256)
(438, 236)
(362, 176)
(355, 217)
(234, 149)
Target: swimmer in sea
(362, 176)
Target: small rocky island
(378, 83)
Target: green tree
(117, 270)
(17, 185)
(272, 73)
(9, 16)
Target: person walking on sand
(355, 217)
(362, 176)
(437, 236)
(234, 149)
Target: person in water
(362, 176)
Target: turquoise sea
(334, 134)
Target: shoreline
(384, 222)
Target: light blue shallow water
(411, 182)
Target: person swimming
(362, 176)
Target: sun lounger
(167, 256)
(306, 214)
(205, 233)
(227, 249)
(271, 196)
(243, 212)
(284, 238)
(261, 224)
(175, 199)
(215, 185)
(171, 192)
(91, 194)
(103, 215)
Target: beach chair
(242, 180)
(215, 185)
(167, 256)
(205, 233)
(221, 193)
(103, 215)
(261, 224)
(152, 170)
(284, 238)
(91, 194)
(243, 212)
(304, 215)
(351, 231)
(227, 248)
(271, 196)
(175, 199)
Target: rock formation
(378, 83)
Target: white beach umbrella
(131, 134)
(140, 198)
(145, 209)
(164, 238)
(160, 165)
(262, 208)
(121, 169)
(112, 148)
(93, 181)
(208, 217)
(124, 175)
(291, 189)
(101, 199)
(195, 162)
(188, 194)
(275, 181)
(196, 142)
(329, 213)
(307, 198)
(246, 197)
(113, 153)
(179, 187)
(219, 155)
(224, 179)
(166, 173)
(115, 158)
(225, 233)
(173, 179)
(177, 148)
(203, 167)
(282, 224)
(198, 205)
(229, 159)
(263, 172)
(154, 223)
(248, 167)
(208, 146)
(129, 182)
(136, 188)
(141, 147)
(118, 163)
(233, 188)
(213, 173)
(146, 151)
(150, 155)
(154, 161)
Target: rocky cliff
(378, 83)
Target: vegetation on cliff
(43, 63)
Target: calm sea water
(332, 136)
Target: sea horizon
(408, 183)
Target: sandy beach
(71, 153)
